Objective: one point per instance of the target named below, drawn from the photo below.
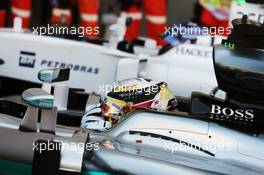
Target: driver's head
(137, 93)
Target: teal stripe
(14, 168)
(94, 173)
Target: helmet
(131, 94)
(126, 96)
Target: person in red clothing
(88, 10)
(156, 16)
(22, 9)
(61, 12)
(18, 8)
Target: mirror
(54, 75)
(38, 98)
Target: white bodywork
(186, 68)
(92, 65)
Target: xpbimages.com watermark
(148, 90)
(193, 30)
(63, 30)
(204, 146)
(42, 146)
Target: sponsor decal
(222, 113)
(27, 59)
(72, 66)
(193, 52)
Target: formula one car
(237, 138)
(69, 151)
(115, 60)
(74, 151)
(201, 141)
(96, 65)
